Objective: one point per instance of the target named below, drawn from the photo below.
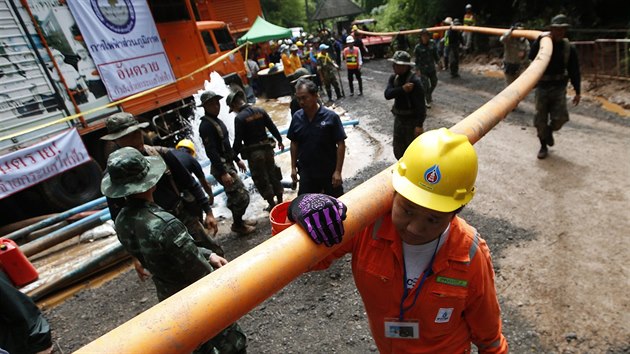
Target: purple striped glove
(321, 216)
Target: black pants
(319, 185)
(357, 74)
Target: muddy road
(557, 229)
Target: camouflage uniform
(177, 192)
(216, 141)
(551, 89)
(326, 67)
(426, 59)
(251, 141)
(409, 108)
(158, 239)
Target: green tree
(285, 13)
(413, 14)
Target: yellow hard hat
(437, 171)
(188, 144)
(299, 44)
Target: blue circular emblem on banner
(118, 16)
(433, 175)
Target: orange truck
(238, 15)
(46, 74)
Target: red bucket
(15, 264)
(278, 218)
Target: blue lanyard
(425, 274)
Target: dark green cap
(233, 94)
(402, 58)
(129, 172)
(207, 96)
(560, 21)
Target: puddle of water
(278, 110)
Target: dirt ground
(556, 229)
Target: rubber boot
(272, 204)
(549, 140)
(543, 152)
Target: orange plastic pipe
(194, 315)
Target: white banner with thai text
(27, 167)
(124, 43)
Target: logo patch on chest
(444, 315)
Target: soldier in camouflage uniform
(551, 89)
(214, 135)
(326, 68)
(158, 239)
(426, 59)
(175, 190)
(251, 141)
(409, 107)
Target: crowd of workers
(436, 268)
(321, 55)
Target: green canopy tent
(263, 31)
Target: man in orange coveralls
(424, 274)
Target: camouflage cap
(560, 21)
(207, 96)
(120, 124)
(129, 172)
(402, 58)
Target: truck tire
(73, 187)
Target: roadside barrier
(200, 311)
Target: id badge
(408, 329)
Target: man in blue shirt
(317, 144)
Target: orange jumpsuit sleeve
(482, 313)
(336, 254)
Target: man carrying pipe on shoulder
(551, 90)
(424, 274)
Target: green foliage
(412, 14)
(368, 5)
(286, 13)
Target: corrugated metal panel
(27, 97)
(233, 13)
